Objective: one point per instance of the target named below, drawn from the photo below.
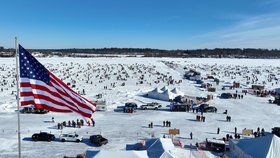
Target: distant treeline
(147, 52)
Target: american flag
(41, 88)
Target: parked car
(207, 108)
(33, 110)
(98, 139)
(43, 136)
(70, 137)
(153, 106)
(129, 105)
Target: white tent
(116, 154)
(161, 148)
(164, 88)
(177, 92)
(154, 93)
(167, 95)
(261, 147)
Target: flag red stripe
(64, 85)
(58, 95)
(81, 104)
(25, 103)
(58, 82)
(39, 96)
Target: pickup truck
(70, 138)
(152, 106)
(98, 139)
(43, 136)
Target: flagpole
(18, 112)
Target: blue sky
(163, 24)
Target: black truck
(98, 139)
(43, 136)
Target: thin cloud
(257, 32)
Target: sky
(161, 24)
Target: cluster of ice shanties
(188, 90)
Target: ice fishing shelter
(258, 87)
(101, 105)
(260, 147)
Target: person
(191, 135)
(262, 131)
(218, 130)
(52, 119)
(255, 134)
(163, 135)
(196, 144)
(58, 125)
(93, 123)
(227, 136)
(151, 124)
(69, 123)
(235, 130)
(82, 122)
(226, 112)
(163, 123)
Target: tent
(154, 93)
(167, 95)
(177, 92)
(260, 147)
(116, 154)
(161, 148)
(164, 88)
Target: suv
(129, 105)
(43, 136)
(153, 106)
(70, 138)
(98, 139)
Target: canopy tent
(161, 148)
(154, 93)
(261, 147)
(116, 154)
(164, 88)
(177, 92)
(165, 95)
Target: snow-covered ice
(126, 128)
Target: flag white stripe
(47, 94)
(54, 90)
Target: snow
(126, 128)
